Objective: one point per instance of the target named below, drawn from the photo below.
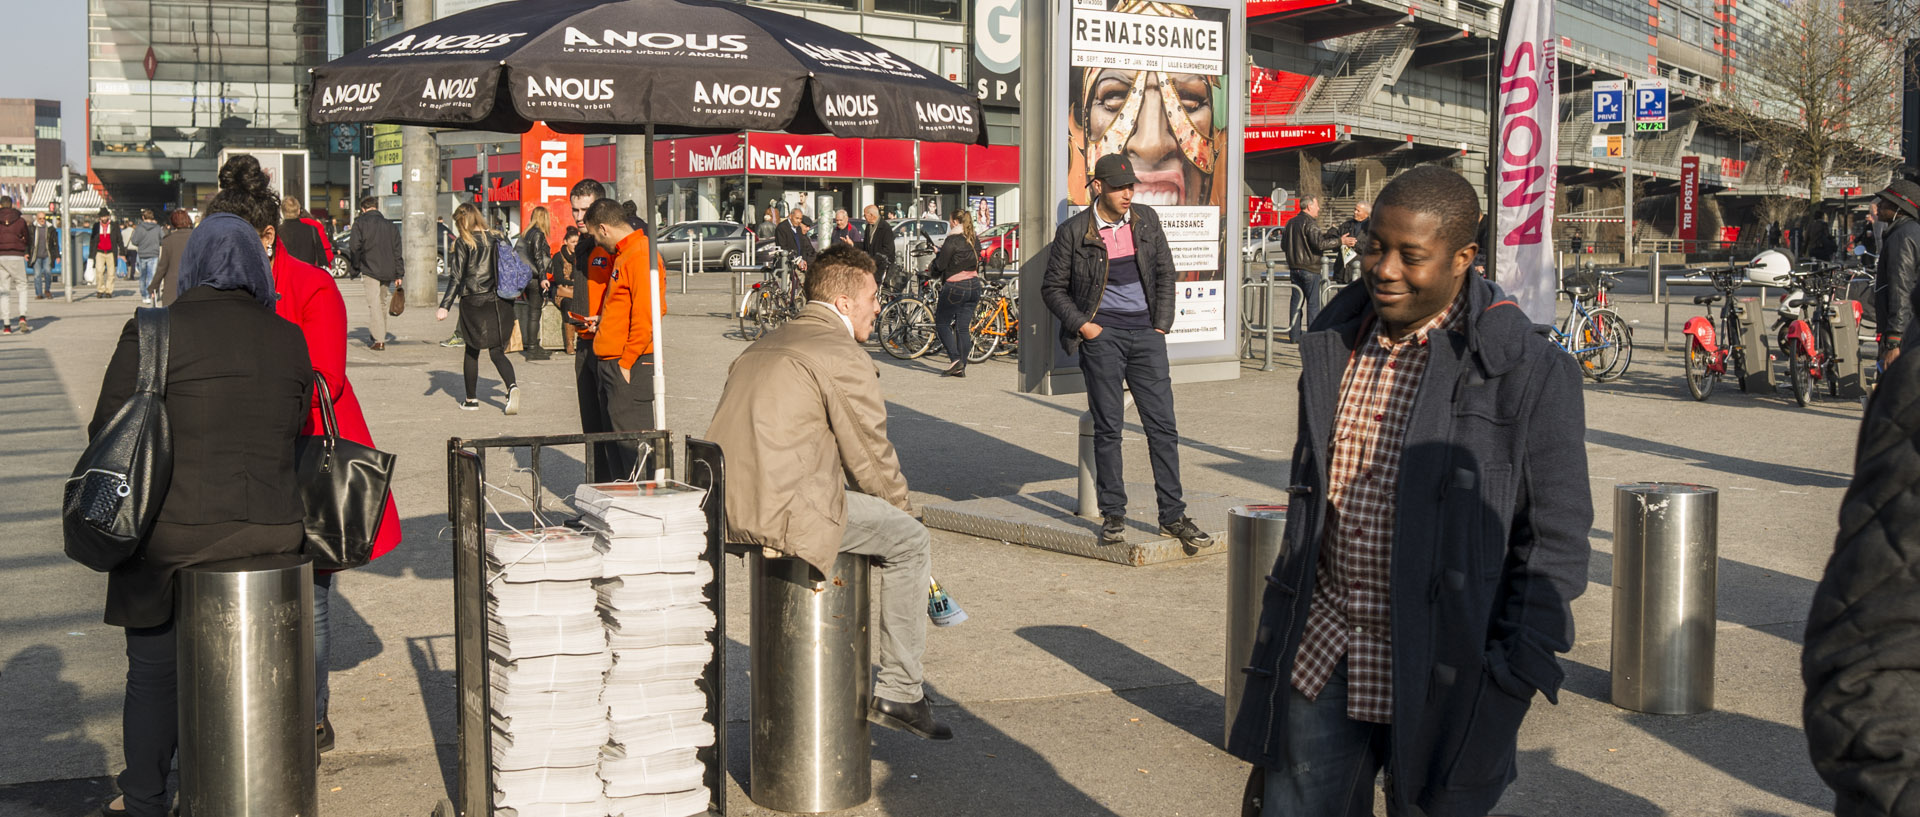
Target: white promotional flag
(1526, 136)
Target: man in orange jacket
(622, 323)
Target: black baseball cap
(1113, 170)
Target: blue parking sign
(1650, 100)
(1609, 103)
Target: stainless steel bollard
(1255, 539)
(1665, 546)
(245, 641)
(807, 703)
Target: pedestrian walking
(878, 242)
(811, 473)
(102, 254)
(1897, 208)
(16, 243)
(1410, 630)
(623, 330)
(1109, 281)
(1305, 244)
(485, 317)
(792, 236)
(560, 273)
(957, 265)
(1353, 241)
(238, 383)
(373, 253)
(146, 253)
(534, 250)
(165, 288)
(46, 248)
(301, 235)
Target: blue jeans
(1330, 759)
(43, 277)
(1308, 306)
(322, 595)
(953, 318)
(146, 266)
(1137, 359)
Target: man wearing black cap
(1109, 281)
(1898, 207)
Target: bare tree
(1822, 93)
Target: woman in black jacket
(560, 273)
(485, 317)
(534, 250)
(958, 267)
(238, 384)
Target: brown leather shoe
(379, 347)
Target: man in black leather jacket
(1109, 281)
(1898, 207)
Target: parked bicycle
(1714, 353)
(1807, 328)
(773, 300)
(996, 322)
(1597, 337)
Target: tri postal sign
(1649, 105)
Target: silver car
(908, 233)
(720, 245)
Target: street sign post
(1649, 105)
(1609, 102)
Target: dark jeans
(527, 311)
(470, 367)
(629, 407)
(1306, 308)
(150, 719)
(593, 413)
(1330, 759)
(322, 598)
(953, 318)
(1137, 358)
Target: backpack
(511, 272)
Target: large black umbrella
(617, 66)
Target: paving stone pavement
(1077, 688)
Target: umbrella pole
(654, 304)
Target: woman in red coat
(311, 300)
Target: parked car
(1000, 246)
(721, 244)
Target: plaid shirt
(1352, 614)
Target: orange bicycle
(996, 321)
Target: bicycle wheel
(987, 328)
(749, 315)
(906, 328)
(768, 313)
(1700, 380)
(1830, 369)
(1800, 370)
(1616, 345)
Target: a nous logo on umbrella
(943, 114)
(359, 93)
(738, 96)
(659, 40)
(573, 89)
(849, 106)
(847, 57)
(464, 43)
(455, 88)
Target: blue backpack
(511, 272)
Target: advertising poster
(1149, 80)
(550, 165)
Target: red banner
(550, 165)
(699, 156)
(782, 154)
(1262, 8)
(1283, 137)
(1689, 200)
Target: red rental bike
(1733, 349)
(1810, 325)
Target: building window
(937, 9)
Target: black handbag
(345, 487)
(110, 502)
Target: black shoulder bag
(121, 479)
(344, 485)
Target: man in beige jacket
(810, 472)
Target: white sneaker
(513, 400)
(470, 405)
(144, 301)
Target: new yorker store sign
(779, 154)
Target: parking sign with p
(1650, 100)
(1609, 102)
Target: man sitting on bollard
(1438, 533)
(802, 416)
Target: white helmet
(1770, 268)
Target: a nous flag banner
(1526, 135)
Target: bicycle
(905, 326)
(1708, 357)
(996, 322)
(774, 299)
(1597, 337)
(1809, 314)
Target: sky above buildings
(46, 58)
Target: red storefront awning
(780, 154)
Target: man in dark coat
(374, 252)
(1897, 209)
(1437, 535)
(1109, 281)
(792, 236)
(878, 242)
(1305, 242)
(1353, 241)
(1862, 656)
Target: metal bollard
(1089, 490)
(245, 644)
(1665, 549)
(1255, 540)
(808, 750)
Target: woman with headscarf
(485, 317)
(311, 300)
(238, 379)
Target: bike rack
(1269, 321)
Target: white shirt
(844, 320)
(1107, 225)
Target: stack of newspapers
(651, 596)
(547, 661)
